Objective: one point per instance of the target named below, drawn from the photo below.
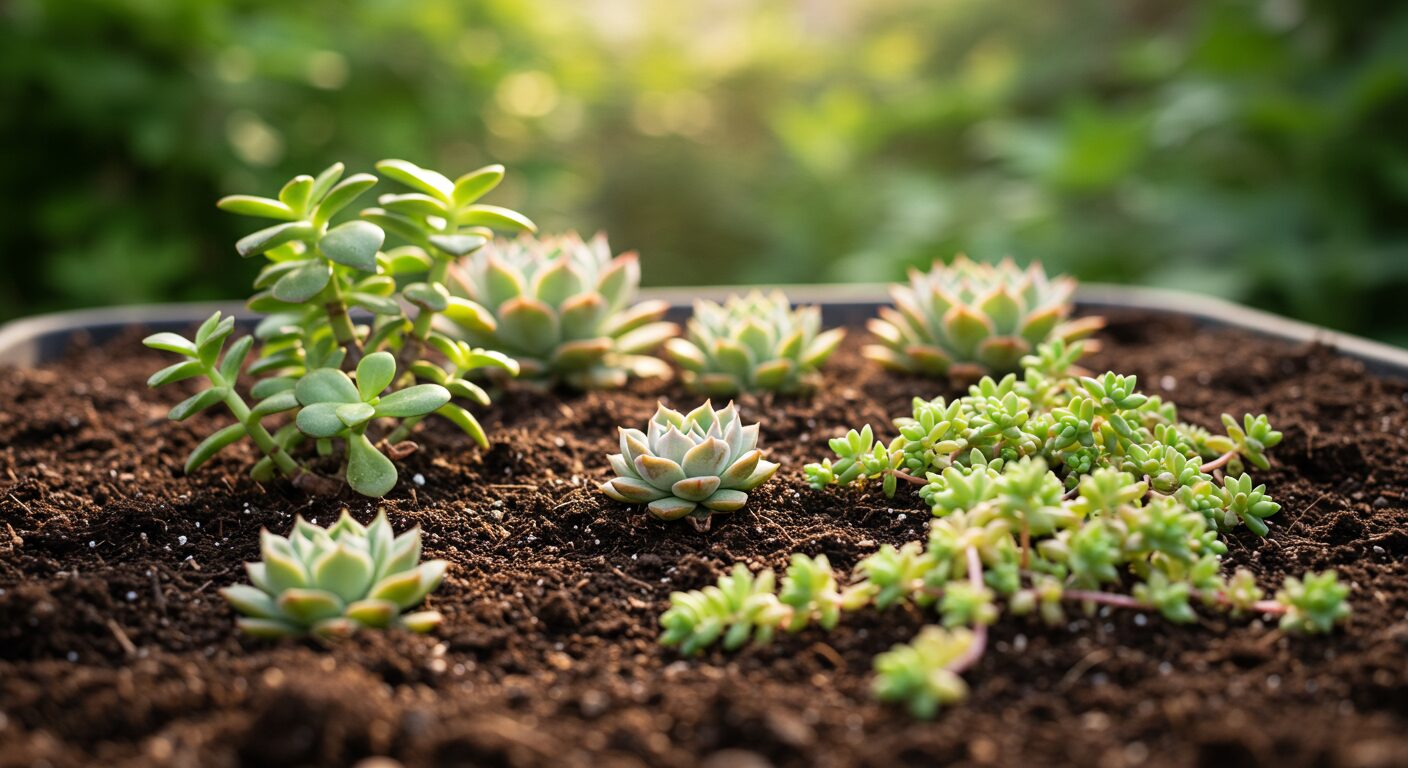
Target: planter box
(116, 650)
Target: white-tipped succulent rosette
(562, 307)
(689, 466)
(332, 581)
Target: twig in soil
(23, 505)
(122, 638)
(157, 596)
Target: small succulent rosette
(751, 343)
(970, 319)
(689, 466)
(332, 581)
(562, 308)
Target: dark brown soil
(115, 648)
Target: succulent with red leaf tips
(752, 343)
(969, 319)
(562, 308)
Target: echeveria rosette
(334, 406)
(562, 308)
(332, 581)
(752, 343)
(969, 319)
(689, 466)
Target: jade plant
(756, 342)
(561, 307)
(969, 319)
(333, 581)
(1047, 491)
(690, 466)
(317, 274)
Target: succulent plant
(332, 581)
(316, 273)
(562, 308)
(751, 343)
(332, 405)
(689, 466)
(968, 319)
(1048, 490)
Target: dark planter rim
(34, 340)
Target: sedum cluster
(561, 307)
(1047, 490)
(332, 581)
(751, 343)
(316, 360)
(690, 466)
(970, 319)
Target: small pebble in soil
(73, 656)
(131, 596)
(418, 479)
(1140, 619)
(1168, 383)
(92, 545)
(181, 540)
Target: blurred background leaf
(1254, 149)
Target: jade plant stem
(342, 328)
(266, 443)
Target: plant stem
(905, 476)
(980, 630)
(342, 327)
(300, 477)
(1218, 462)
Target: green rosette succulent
(752, 343)
(333, 581)
(969, 319)
(561, 307)
(689, 466)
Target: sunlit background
(1255, 149)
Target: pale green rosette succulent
(970, 319)
(562, 308)
(689, 466)
(332, 581)
(752, 343)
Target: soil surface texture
(115, 648)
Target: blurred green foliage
(1255, 149)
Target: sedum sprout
(752, 343)
(968, 319)
(317, 274)
(1047, 491)
(917, 673)
(689, 466)
(332, 581)
(562, 309)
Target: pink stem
(1218, 463)
(980, 631)
(901, 474)
(1104, 598)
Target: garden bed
(115, 646)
